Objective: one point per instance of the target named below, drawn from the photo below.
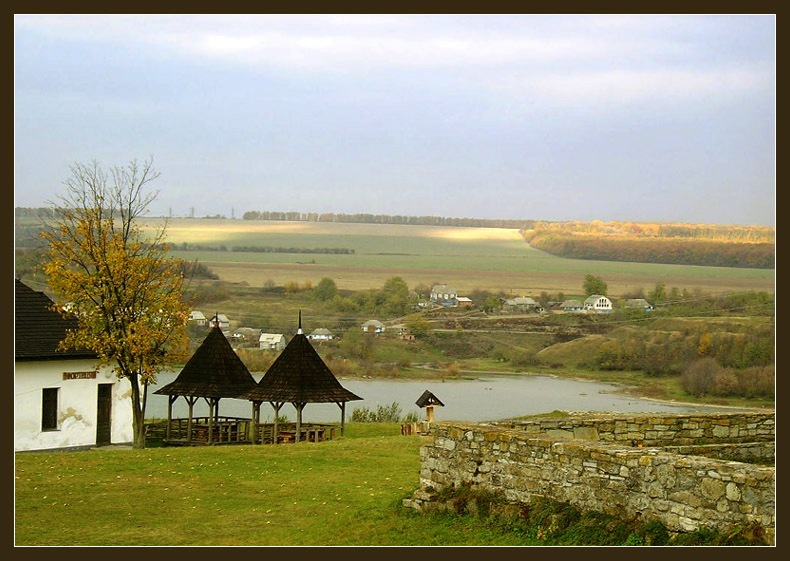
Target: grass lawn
(345, 492)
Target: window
(49, 409)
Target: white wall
(77, 405)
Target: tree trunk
(138, 414)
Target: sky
(643, 118)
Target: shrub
(383, 414)
(698, 378)
(757, 381)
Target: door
(104, 415)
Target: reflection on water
(486, 398)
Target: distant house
(373, 326)
(639, 304)
(321, 334)
(272, 341)
(519, 304)
(196, 317)
(572, 306)
(224, 322)
(444, 295)
(245, 335)
(597, 304)
(464, 302)
(62, 399)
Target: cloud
(382, 108)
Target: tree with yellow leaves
(126, 293)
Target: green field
(468, 258)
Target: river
(486, 398)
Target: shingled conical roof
(214, 371)
(299, 375)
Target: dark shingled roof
(427, 398)
(38, 329)
(299, 375)
(214, 371)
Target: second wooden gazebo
(298, 376)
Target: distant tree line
(364, 218)
(672, 251)
(184, 246)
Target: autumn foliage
(124, 290)
(678, 244)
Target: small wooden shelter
(298, 376)
(427, 400)
(214, 372)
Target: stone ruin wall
(685, 471)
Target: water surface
(487, 398)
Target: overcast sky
(591, 117)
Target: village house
(373, 326)
(597, 304)
(320, 334)
(572, 305)
(519, 304)
(639, 304)
(197, 318)
(272, 341)
(444, 295)
(463, 302)
(245, 337)
(62, 399)
(222, 320)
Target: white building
(62, 399)
(272, 341)
(198, 318)
(597, 304)
(373, 326)
(321, 334)
(443, 295)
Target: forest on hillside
(676, 244)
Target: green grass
(346, 492)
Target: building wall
(610, 466)
(77, 405)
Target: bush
(707, 377)
(699, 377)
(757, 381)
(383, 414)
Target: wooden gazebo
(214, 372)
(298, 376)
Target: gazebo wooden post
(275, 428)
(191, 402)
(212, 409)
(299, 407)
(342, 405)
(170, 400)
(256, 417)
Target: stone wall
(632, 466)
